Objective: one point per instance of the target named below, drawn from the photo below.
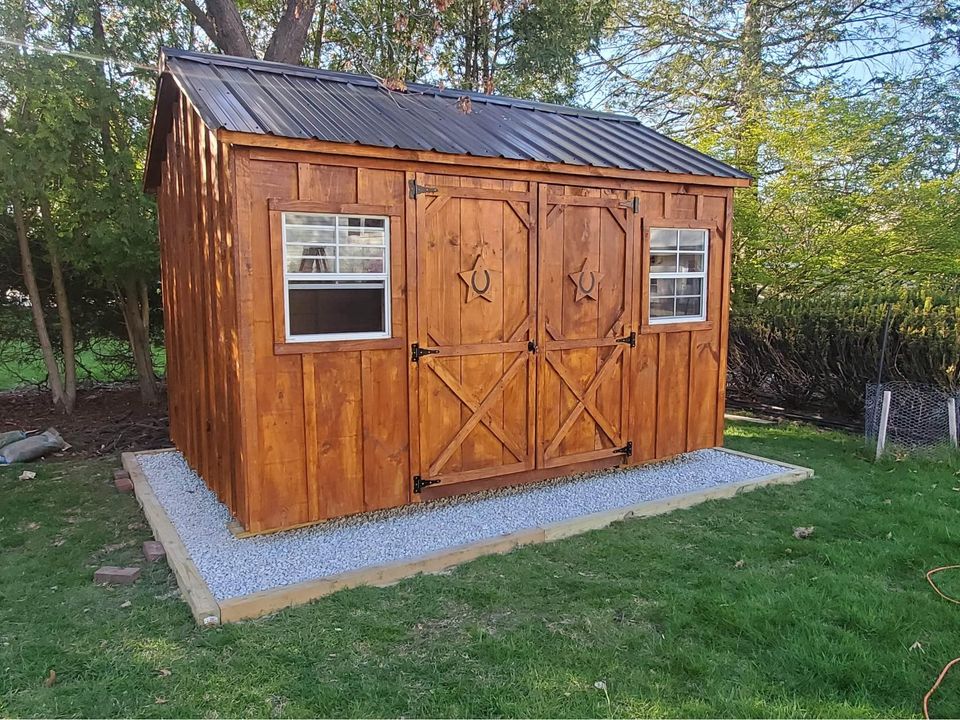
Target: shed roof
(266, 98)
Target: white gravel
(234, 567)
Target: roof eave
(275, 142)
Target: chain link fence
(917, 417)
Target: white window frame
(703, 275)
(317, 277)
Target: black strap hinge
(632, 204)
(416, 189)
(417, 352)
(630, 339)
(626, 450)
(419, 483)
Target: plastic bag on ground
(11, 436)
(32, 448)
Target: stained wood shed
(373, 297)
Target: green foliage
(715, 611)
(821, 352)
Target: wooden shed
(373, 297)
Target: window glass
(678, 275)
(336, 276)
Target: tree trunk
(290, 37)
(63, 312)
(136, 313)
(36, 309)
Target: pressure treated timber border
(193, 587)
(203, 605)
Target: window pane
(689, 286)
(688, 306)
(692, 239)
(309, 219)
(335, 309)
(361, 251)
(661, 307)
(692, 262)
(302, 259)
(660, 262)
(312, 234)
(663, 239)
(660, 287)
(361, 265)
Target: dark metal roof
(253, 96)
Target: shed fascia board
(255, 140)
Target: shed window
(678, 275)
(336, 276)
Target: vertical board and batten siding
(199, 296)
(288, 434)
(329, 428)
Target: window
(336, 276)
(678, 275)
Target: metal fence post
(884, 420)
(952, 420)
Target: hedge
(819, 354)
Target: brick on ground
(112, 575)
(153, 551)
(122, 481)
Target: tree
(224, 23)
(761, 83)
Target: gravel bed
(233, 567)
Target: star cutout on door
(587, 282)
(479, 281)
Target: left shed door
(476, 290)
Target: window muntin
(336, 276)
(678, 275)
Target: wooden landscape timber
(207, 611)
(519, 345)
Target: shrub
(820, 353)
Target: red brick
(122, 482)
(111, 575)
(153, 551)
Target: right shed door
(584, 323)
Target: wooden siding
(199, 298)
(330, 419)
(293, 433)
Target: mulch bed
(107, 419)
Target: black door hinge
(416, 189)
(417, 352)
(419, 483)
(626, 450)
(630, 339)
(532, 346)
(632, 204)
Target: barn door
(586, 252)
(476, 287)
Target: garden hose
(946, 668)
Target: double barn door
(524, 310)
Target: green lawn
(21, 365)
(713, 611)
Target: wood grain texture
(292, 433)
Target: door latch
(532, 346)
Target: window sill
(655, 328)
(323, 346)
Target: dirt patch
(108, 419)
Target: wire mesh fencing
(908, 417)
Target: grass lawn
(712, 611)
(19, 365)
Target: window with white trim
(678, 275)
(336, 276)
